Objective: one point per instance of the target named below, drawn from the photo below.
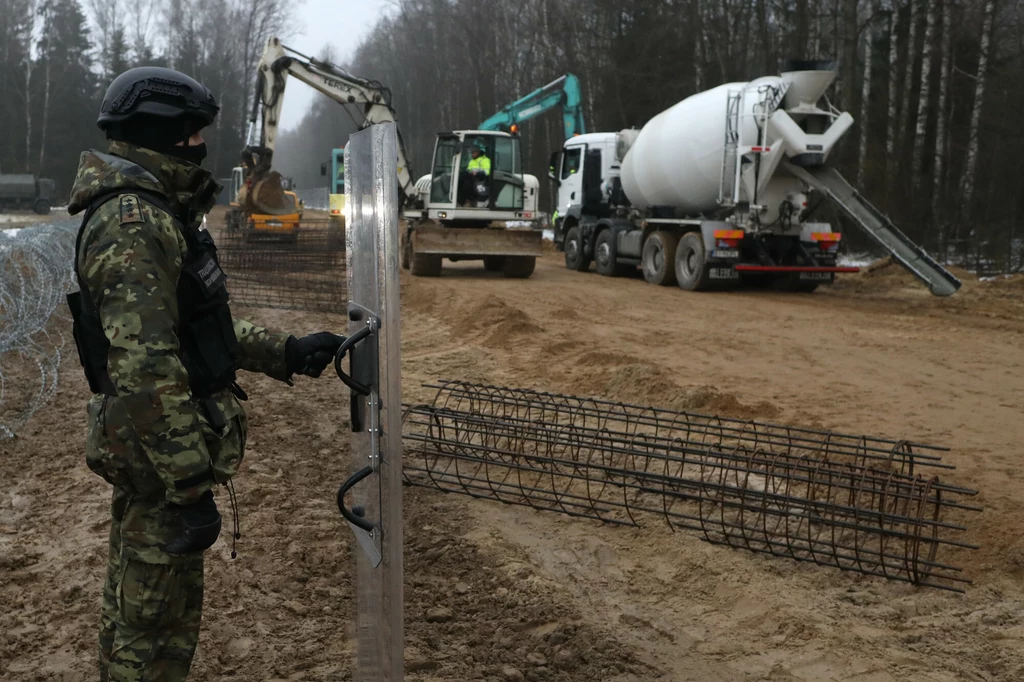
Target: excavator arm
(263, 190)
(562, 92)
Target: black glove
(311, 354)
(199, 526)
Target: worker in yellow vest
(474, 181)
(479, 162)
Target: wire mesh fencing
(290, 266)
(36, 271)
(856, 503)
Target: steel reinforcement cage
(870, 505)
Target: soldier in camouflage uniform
(160, 350)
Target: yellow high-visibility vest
(480, 163)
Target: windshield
(506, 155)
(444, 158)
(503, 152)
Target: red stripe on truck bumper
(793, 268)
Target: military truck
(27, 192)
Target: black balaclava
(161, 135)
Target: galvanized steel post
(371, 209)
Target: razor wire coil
(36, 272)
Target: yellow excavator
(277, 215)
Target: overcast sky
(341, 23)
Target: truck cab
(23, 192)
(591, 156)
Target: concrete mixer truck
(716, 190)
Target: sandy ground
(504, 593)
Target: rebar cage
(299, 267)
(857, 503)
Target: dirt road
(541, 597)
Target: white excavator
(458, 211)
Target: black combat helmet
(155, 107)
(156, 91)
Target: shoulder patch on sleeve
(131, 212)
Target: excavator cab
(479, 188)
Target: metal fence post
(375, 490)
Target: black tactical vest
(207, 345)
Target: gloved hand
(311, 354)
(199, 526)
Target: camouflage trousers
(152, 602)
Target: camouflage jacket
(153, 434)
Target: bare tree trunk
(698, 62)
(940, 129)
(850, 39)
(743, 68)
(979, 98)
(865, 98)
(816, 31)
(764, 32)
(46, 115)
(105, 15)
(917, 162)
(801, 32)
(894, 51)
(142, 12)
(28, 86)
(908, 75)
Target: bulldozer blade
(455, 241)
(266, 196)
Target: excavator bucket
(265, 196)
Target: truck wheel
(426, 265)
(692, 271)
(494, 263)
(41, 206)
(519, 267)
(605, 254)
(659, 258)
(575, 258)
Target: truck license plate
(725, 253)
(816, 276)
(723, 273)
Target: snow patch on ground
(855, 260)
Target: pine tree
(64, 52)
